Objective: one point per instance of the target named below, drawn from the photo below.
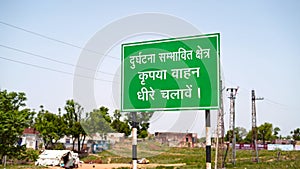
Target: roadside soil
(118, 165)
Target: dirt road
(111, 166)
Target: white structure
(31, 138)
(54, 157)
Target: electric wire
(78, 47)
(54, 60)
(54, 70)
(268, 100)
(57, 40)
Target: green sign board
(171, 74)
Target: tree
(276, 130)
(118, 125)
(240, 134)
(50, 126)
(228, 135)
(14, 118)
(143, 119)
(288, 137)
(97, 121)
(264, 132)
(104, 113)
(296, 134)
(248, 138)
(72, 119)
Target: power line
(53, 60)
(82, 48)
(56, 40)
(276, 103)
(270, 101)
(54, 70)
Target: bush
(29, 155)
(32, 155)
(58, 146)
(92, 159)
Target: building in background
(174, 139)
(94, 143)
(31, 138)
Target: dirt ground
(111, 166)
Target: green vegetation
(14, 118)
(50, 126)
(142, 122)
(119, 125)
(195, 158)
(296, 134)
(30, 155)
(97, 121)
(265, 133)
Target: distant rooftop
(30, 131)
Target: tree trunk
(78, 144)
(73, 143)
(82, 142)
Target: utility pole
(254, 127)
(232, 97)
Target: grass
(195, 158)
(147, 148)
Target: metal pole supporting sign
(208, 139)
(134, 141)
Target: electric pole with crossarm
(254, 127)
(232, 97)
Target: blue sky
(259, 50)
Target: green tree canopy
(276, 130)
(248, 138)
(97, 121)
(50, 126)
(143, 119)
(72, 119)
(14, 118)
(240, 134)
(296, 134)
(119, 125)
(264, 132)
